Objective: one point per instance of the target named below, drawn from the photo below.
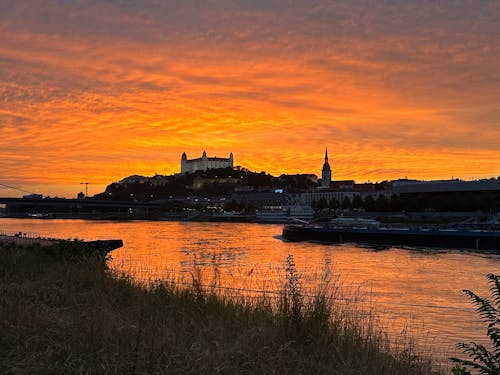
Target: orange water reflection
(408, 286)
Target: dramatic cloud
(95, 91)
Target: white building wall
(204, 163)
(314, 196)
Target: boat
(42, 215)
(284, 214)
(371, 233)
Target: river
(415, 291)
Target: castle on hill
(204, 163)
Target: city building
(204, 163)
(260, 198)
(311, 197)
(133, 179)
(446, 186)
(33, 196)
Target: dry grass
(61, 315)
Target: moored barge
(380, 236)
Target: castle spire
(326, 154)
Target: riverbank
(471, 220)
(70, 315)
(21, 239)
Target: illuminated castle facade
(204, 163)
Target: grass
(69, 315)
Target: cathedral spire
(326, 173)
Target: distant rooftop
(445, 186)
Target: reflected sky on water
(421, 288)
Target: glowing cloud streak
(92, 91)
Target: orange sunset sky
(99, 90)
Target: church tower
(326, 173)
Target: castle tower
(326, 173)
(204, 161)
(183, 163)
(231, 159)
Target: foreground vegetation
(62, 314)
(483, 359)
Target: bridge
(21, 207)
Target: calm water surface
(415, 287)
